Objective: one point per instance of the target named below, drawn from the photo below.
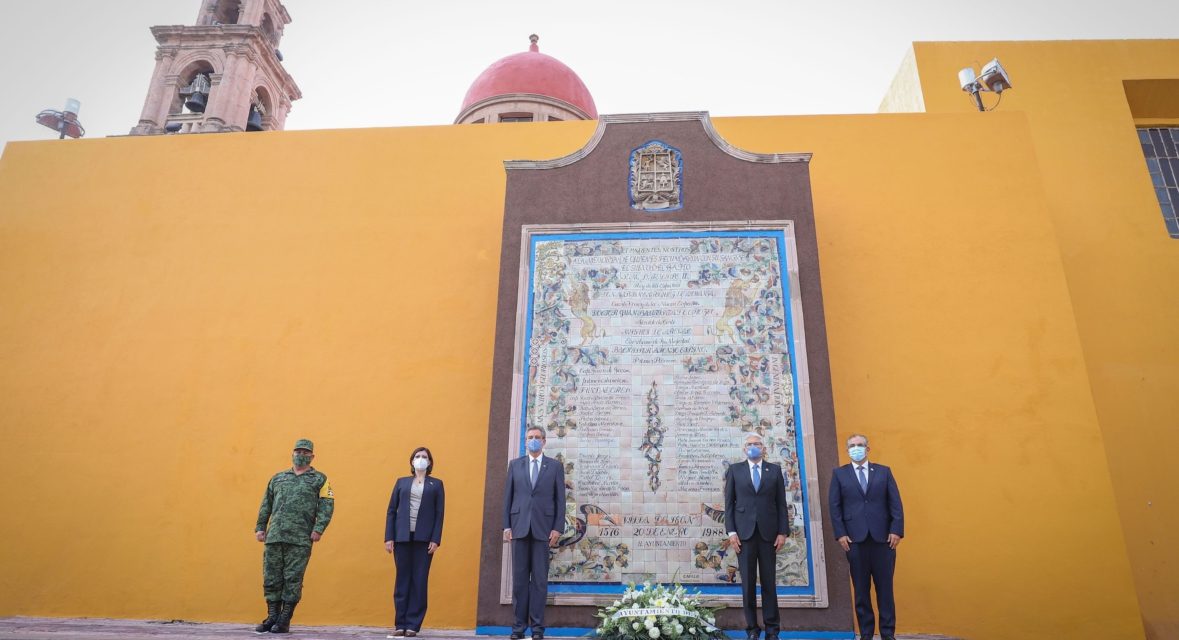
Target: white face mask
(421, 464)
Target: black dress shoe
(888, 638)
(538, 636)
(517, 635)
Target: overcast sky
(386, 63)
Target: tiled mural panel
(651, 356)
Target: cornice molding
(673, 116)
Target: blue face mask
(753, 452)
(534, 445)
(857, 453)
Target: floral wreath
(649, 612)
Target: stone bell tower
(224, 73)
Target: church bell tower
(225, 73)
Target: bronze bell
(196, 102)
(254, 123)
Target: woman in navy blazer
(413, 531)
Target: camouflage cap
(304, 443)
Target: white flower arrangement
(653, 612)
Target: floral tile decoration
(647, 357)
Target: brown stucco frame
(721, 183)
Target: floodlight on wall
(65, 122)
(993, 78)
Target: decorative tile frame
(709, 330)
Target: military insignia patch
(326, 491)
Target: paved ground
(99, 629)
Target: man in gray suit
(758, 521)
(534, 518)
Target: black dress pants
(756, 562)
(409, 591)
(872, 565)
(530, 582)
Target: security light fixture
(65, 122)
(993, 78)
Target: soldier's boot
(272, 608)
(283, 624)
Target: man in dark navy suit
(534, 518)
(757, 520)
(869, 522)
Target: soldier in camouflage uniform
(296, 508)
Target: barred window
(1160, 145)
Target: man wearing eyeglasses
(758, 521)
(534, 519)
(869, 522)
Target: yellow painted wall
(163, 341)
(1121, 267)
(174, 312)
(953, 347)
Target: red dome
(531, 72)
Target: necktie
(863, 480)
(756, 477)
(535, 471)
